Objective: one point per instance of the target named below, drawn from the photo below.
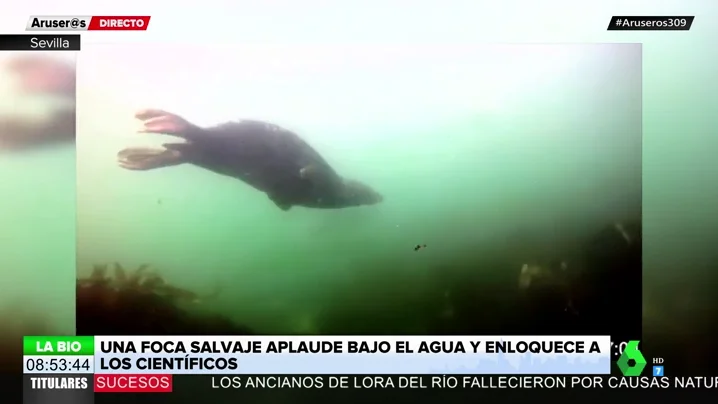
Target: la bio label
(58, 346)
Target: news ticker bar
(146, 383)
(323, 354)
(651, 23)
(41, 42)
(88, 23)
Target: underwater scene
(37, 210)
(482, 189)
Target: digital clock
(617, 348)
(58, 364)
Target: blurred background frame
(37, 208)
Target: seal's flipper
(148, 158)
(281, 205)
(159, 121)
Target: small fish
(419, 247)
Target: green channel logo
(631, 352)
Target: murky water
(491, 156)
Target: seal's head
(357, 193)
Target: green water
(38, 254)
(491, 156)
(299, 270)
(38, 222)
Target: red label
(119, 23)
(133, 383)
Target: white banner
(354, 355)
(58, 23)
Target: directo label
(119, 23)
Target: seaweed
(115, 301)
(18, 321)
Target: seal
(265, 156)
